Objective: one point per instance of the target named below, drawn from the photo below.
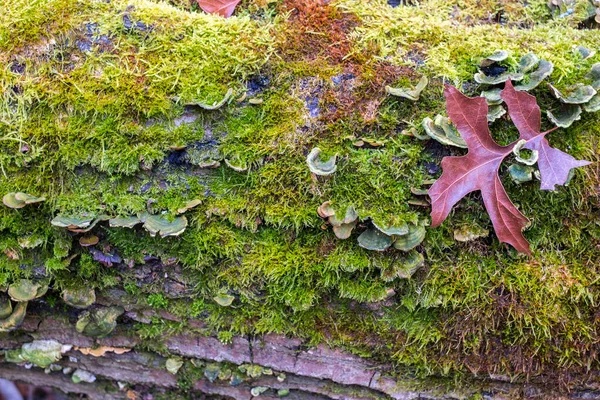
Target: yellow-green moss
(87, 120)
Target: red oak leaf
(554, 164)
(222, 7)
(478, 170)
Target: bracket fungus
(189, 205)
(443, 131)
(15, 318)
(565, 115)
(318, 167)
(236, 164)
(404, 266)
(575, 94)
(492, 96)
(495, 112)
(99, 322)
(482, 78)
(543, 70)
(412, 94)
(469, 232)
(214, 106)
(584, 52)
(124, 222)
(224, 299)
(42, 353)
(392, 230)
(496, 56)
(81, 375)
(342, 228)
(594, 76)
(528, 62)
(20, 200)
(173, 365)
(413, 238)
(89, 240)
(25, 290)
(373, 239)
(532, 159)
(520, 173)
(77, 224)
(594, 104)
(6, 308)
(156, 224)
(81, 297)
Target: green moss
(88, 118)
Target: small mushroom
(214, 106)
(25, 290)
(318, 167)
(565, 116)
(575, 94)
(81, 297)
(20, 199)
(441, 130)
(258, 390)
(414, 237)
(373, 239)
(99, 322)
(349, 217)
(412, 94)
(543, 71)
(520, 173)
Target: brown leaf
(222, 7)
(478, 170)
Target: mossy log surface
(158, 200)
